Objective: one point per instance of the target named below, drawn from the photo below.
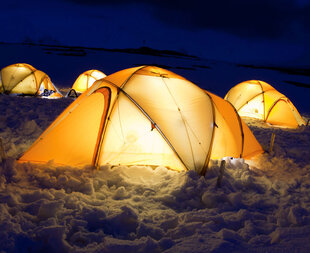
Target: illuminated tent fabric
(87, 79)
(144, 116)
(231, 130)
(22, 78)
(260, 100)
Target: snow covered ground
(263, 204)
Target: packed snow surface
(261, 205)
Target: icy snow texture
(262, 205)
(23, 119)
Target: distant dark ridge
(153, 52)
(201, 66)
(81, 51)
(291, 71)
(298, 84)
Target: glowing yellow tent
(260, 100)
(22, 78)
(145, 116)
(87, 79)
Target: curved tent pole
(263, 93)
(114, 102)
(246, 102)
(23, 79)
(145, 114)
(17, 66)
(226, 96)
(42, 79)
(206, 163)
(273, 105)
(102, 123)
(156, 126)
(183, 120)
(119, 88)
(133, 73)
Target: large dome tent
(144, 116)
(24, 79)
(258, 99)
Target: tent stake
(273, 135)
(220, 177)
(2, 153)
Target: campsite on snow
(152, 151)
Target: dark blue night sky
(257, 31)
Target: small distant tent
(84, 81)
(260, 100)
(145, 116)
(24, 79)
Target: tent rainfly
(24, 79)
(145, 116)
(85, 81)
(258, 99)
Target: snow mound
(139, 209)
(258, 205)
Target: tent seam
(145, 113)
(131, 75)
(24, 65)
(179, 110)
(273, 105)
(262, 93)
(207, 160)
(156, 126)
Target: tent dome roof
(145, 116)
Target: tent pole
(2, 152)
(220, 177)
(273, 135)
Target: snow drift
(262, 205)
